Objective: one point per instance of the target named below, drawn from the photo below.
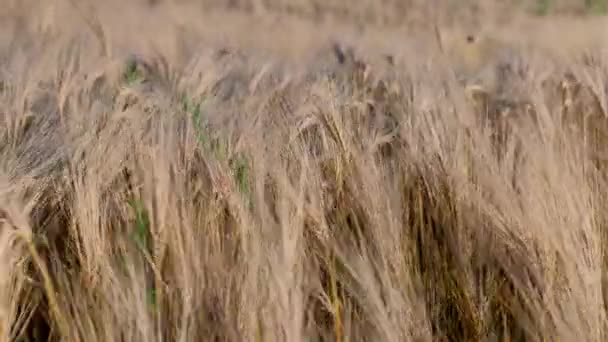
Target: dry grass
(270, 171)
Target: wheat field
(273, 170)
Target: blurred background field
(305, 170)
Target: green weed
(142, 225)
(241, 173)
(195, 109)
(132, 74)
(542, 7)
(141, 236)
(218, 147)
(598, 7)
(151, 297)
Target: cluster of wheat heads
(224, 198)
